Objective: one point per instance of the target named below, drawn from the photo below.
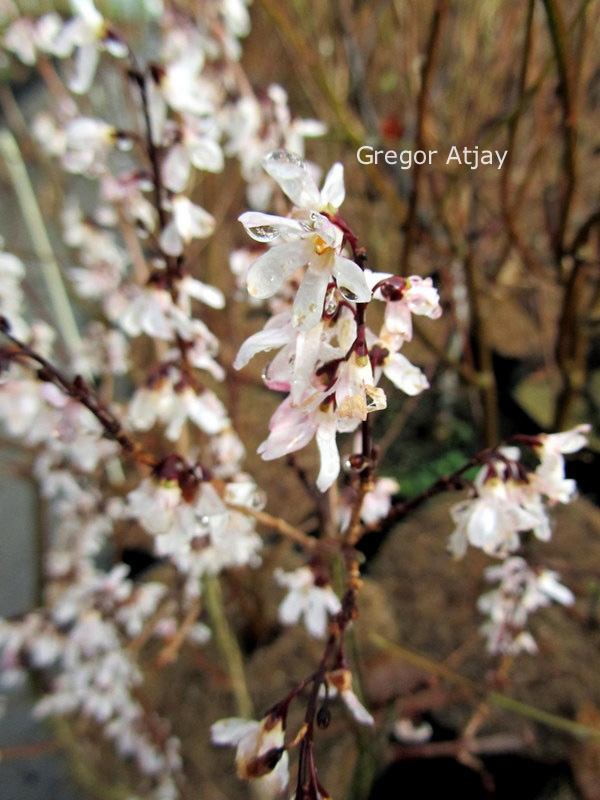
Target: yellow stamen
(320, 246)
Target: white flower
(308, 239)
(494, 518)
(339, 681)
(205, 410)
(259, 745)
(88, 33)
(307, 600)
(291, 429)
(522, 590)
(406, 731)
(549, 477)
(196, 149)
(154, 504)
(150, 311)
(189, 221)
(404, 297)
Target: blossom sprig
(522, 590)
(262, 753)
(510, 500)
(328, 360)
(77, 389)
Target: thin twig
(493, 698)
(431, 50)
(277, 524)
(558, 34)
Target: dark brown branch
(426, 78)
(558, 34)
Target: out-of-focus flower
(522, 590)
(306, 599)
(189, 221)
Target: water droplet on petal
(331, 303)
(265, 373)
(347, 294)
(263, 233)
(283, 157)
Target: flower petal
(267, 227)
(330, 457)
(290, 172)
(267, 339)
(232, 730)
(351, 280)
(308, 304)
(333, 192)
(268, 272)
(404, 375)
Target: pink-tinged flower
(260, 754)
(291, 429)
(405, 297)
(278, 332)
(306, 239)
(189, 221)
(301, 351)
(306, 599)
(339, 681)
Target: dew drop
(331, 303)
(283, 157)
(265, 373)
(347, 293)
(263, 233)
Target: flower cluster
(509, 501)
(329, 361)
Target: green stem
(493, 698)
(227, 644)
(32, 217)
